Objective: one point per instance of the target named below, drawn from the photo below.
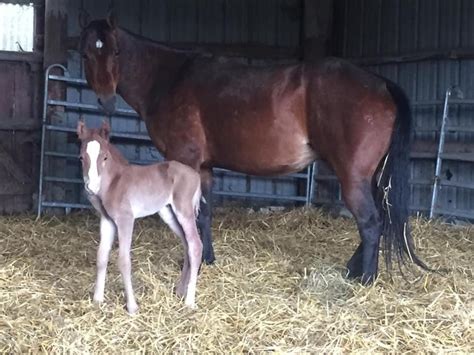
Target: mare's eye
(117, 52)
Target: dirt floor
(278, 285)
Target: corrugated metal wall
(263, 22)
(382, 28)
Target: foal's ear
(111, 19)
(84, 18)
(105, 129)
(82, 130)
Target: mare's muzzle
(108, 104)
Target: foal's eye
(105, 158)
(80, 158)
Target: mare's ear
(82, 130)
(84, 18)
(105, 130)
(111, 19)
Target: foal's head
(94, 154)
(99, 48)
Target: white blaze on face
(99, 44)
(93, 181)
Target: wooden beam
(20, 124)
(454, 54)
(247, 50)
(55, 32)
(317, 28)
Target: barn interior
(278, 284)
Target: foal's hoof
(132, 308)
(180, 290)
(97, 299)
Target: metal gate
(60, 167)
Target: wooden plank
(55, 50)
(20, 124)
(13, 168)
(28, 57)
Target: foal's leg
(360, 201)
(107, 233)
(188, 223)
(125, 231)
(169, 218)
(205, 216)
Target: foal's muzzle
(108, 104)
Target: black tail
(393, 191)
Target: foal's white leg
(107, 233)
(188, 223)
(168, 217)
(125, 231)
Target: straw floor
(277, 286)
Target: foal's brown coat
(122, 192)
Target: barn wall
(20, 122)
(404, 32)
(261, 31)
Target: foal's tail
(197, 200)
(392, 188)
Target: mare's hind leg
(125, 231)
(169, 218)
(205, 217)
(359, 199)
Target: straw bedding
(278, 285)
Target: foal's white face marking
(93, 180)
(99, 44)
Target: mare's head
(100, 51)
(94, 154)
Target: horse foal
(122, 192)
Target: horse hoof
(132, 309)
(98, 299)
(209, 260)
(180, 291)
(353, 274)
(191, 305)
(367, 280)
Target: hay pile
(277, 286)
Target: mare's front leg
(125, 231)
(107, 234)
(205, 216)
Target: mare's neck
(147, 71)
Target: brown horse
(121, 192)
(268, 120)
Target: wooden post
(55, 52)
(317, 27)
